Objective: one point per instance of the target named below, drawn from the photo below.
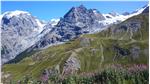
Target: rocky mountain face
(20, 30)
(125, 13)
(77, 21)
(80, 20)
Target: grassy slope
(90, 60)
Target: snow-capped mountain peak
(10, 14)
(110, 18)
(16, 13)
(20, 30)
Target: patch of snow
(10, 14)
(107, 15)
(94, 11)
(1, 16)
(40, 29)
(112, 19)
(54, 22)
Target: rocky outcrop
(49, 73)
(71, 66)
(85, 42)
(135, 52)
(132, 52)
(120, 52)
(6, 78)
(125, 13)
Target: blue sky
(46, 10)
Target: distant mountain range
(83, 47)
(21, 31)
